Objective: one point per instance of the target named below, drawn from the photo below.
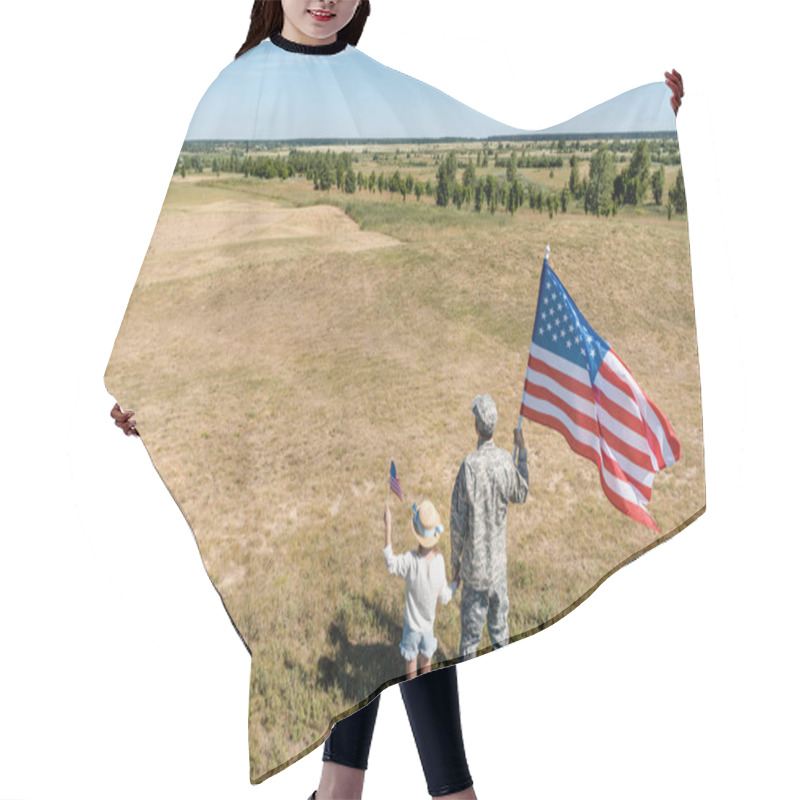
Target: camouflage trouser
(475, 608)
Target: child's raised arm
(387, 520)
(397, 565)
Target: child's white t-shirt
(426, 582)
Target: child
(426, 581)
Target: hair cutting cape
(344, 259)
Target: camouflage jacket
(487, 482)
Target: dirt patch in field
(196, 240)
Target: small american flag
(577, 385)
(394, 481)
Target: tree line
(603, 192)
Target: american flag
(394, 481)
(577, 385)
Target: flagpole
(519, 421)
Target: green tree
(490, 191)
(479, 195)
(451, 166)
(325, 175)
(677, 194)
(601, 181)
(515, 196)
(639, 170)
(511, 168)
(657, 184)
(350, 182)
(468, 178)
(446, 179)
(574, 177)
(442, 186)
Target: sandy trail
(186, 236)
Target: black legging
(432, 706)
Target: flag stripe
(577, 404)
(620, 408)
(626, 443)
(580, 388)
(622, 439)
(615, 375)
(623, 483)
(640, 478)
(629, 507)
(668, 447)
(567, 368)
(578, 418)
(629, 459)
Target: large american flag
(577, 385)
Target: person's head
(301, 21)
(485, 412)
(427, 525)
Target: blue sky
(351, 96)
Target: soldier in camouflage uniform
(487, 482)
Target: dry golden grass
(278, 354)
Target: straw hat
(427, 524)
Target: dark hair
(266, 18)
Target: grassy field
(282, 345)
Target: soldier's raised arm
(520, 481)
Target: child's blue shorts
(415, 642)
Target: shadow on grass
(358, 668)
